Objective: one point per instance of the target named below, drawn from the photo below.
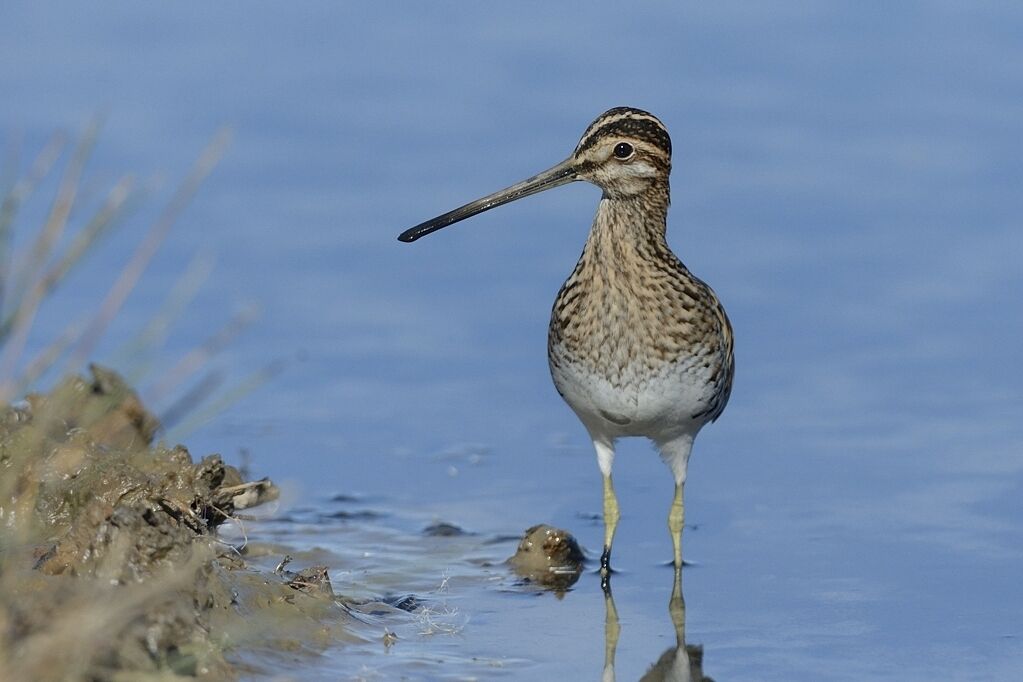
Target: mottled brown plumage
(638, 346)
(629, 298)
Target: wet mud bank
(110, 565)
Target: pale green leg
(676, 521)
(611, 516)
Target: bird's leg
(675, 453)
(611, 516)
(676, 521)
(605, 457)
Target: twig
(181, 407)
(135, 354)
(195, 359)
(12, 201)
(38, 365)
(147, 249)
(28, 305)
(104, 219)
(86, 238)
(236, 393)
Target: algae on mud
(109, 563)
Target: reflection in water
(611, 630)
(680, 663)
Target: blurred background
(846, 176)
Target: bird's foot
(670, 563)
(605, 570)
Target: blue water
(847, 177)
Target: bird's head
(625, 151)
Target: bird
(638, 346)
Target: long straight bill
(561, 174)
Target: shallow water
(846, 178)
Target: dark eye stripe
(645, 129)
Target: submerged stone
(549, 557)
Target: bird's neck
(629, 226)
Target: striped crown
(626, 122)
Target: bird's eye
(623, 150)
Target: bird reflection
(551, 559)
(680, 663)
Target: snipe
(638, 346)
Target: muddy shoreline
(110, 564)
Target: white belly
(661, 403)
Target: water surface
(847, 179)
